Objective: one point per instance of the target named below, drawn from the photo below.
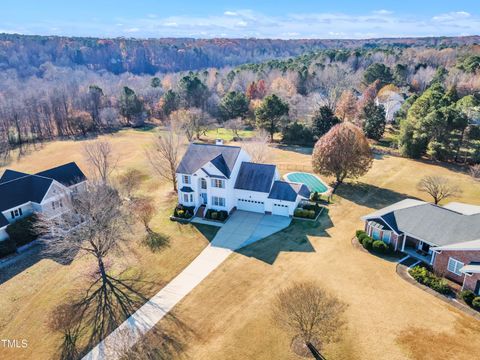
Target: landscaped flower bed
(427, 278)
(377, 246)
(470, 299)
(218, 215)
(307, 210)
(183, 212)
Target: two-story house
(223, 177)
(22, 194)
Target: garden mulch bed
(402, 271)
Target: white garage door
(251, 205)
(280, 209)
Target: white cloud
(383, 12)
(248, 23)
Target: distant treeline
(27, 53)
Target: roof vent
(218, 142)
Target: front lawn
(30, 290)
(229, 313)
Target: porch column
(403, 243)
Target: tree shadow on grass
(89, 315)
(292, 239)
(156, 241)
(370, 195)
(20, 262)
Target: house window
(203, 183)
(53, 205)
(454, 266)
(191, 198)
(386, 236)
(218, 183)
(15, 213)
(218, 201)
(186, 179)
(185, 197)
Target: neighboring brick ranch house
(22, 194)
(222, 177)
(446, 237)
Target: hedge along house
(445, 237)
(221, 177)
(22, 194)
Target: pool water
(311, 180)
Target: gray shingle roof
(3, 221)
(11, 175)
(222, 157)
(282, 190)
(67, 174)
(434, 224)
(255, 177)
(22, 190)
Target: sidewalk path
(241, 229)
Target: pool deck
(312, 187)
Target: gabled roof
(255, 177)
(434, 224)
(17, 188)
(287, 191)
(67, 174)
(22, 190)
(197, 155)
(9, 175)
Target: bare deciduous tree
(258, 147)
(164, 155)
(438, 188)
(99, 156)
(475, 171)
(309, 313)
(95, 225)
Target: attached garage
(280, 209)
(251, 205)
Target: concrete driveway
(243, 228)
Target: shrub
(363, 236)
(315, 196)
(467, 296)
(358, 233)
(222, 215)
(311, 214)
(297, 134)
(7, 247)
(298, 212)
(308, 206)
(23, 231)
(476, 303)
(183, 212)
(367, 242)
(214, 215)
(380, 247)
(425, 277)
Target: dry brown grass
(27, 299)
(230, 311)
(228, 314)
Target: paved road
(241, 229)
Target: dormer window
(218, 183)
(186, 179)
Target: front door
(204, 198)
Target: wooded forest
(425, 92)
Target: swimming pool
(313, 182)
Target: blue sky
(260, 18)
